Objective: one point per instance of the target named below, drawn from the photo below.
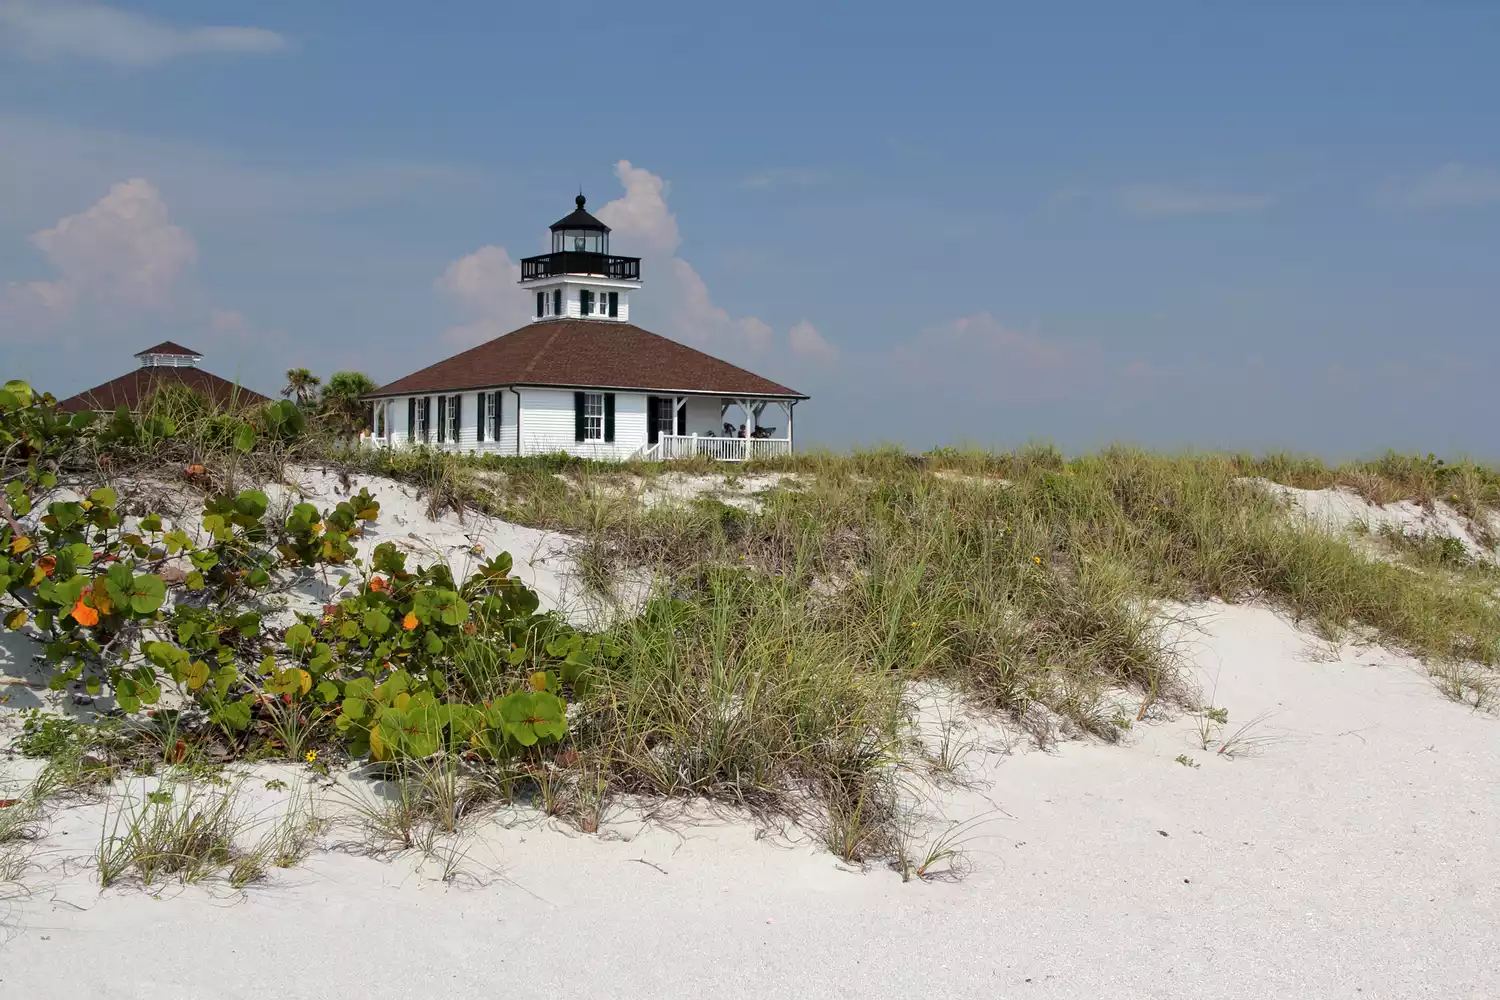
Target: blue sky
(1172, 224)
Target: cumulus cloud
(49, 29)
(122, 254)
(483, 285)
(675, 296)
(1161, 200)
(806, 342)
(1453, 185)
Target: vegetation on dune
(771, 665)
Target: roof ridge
(542, 350)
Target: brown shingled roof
(130, 390)
(170, 347)
(586, 353)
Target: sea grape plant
(406, 662)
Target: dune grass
(777, 655)
(773, 664)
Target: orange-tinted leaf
(410, 621)
(83, 614)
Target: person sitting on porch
(728, 429)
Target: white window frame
(455, 413)
(419, 424)
(593, 416)
(666, 422)
(492, 415)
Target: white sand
(1341, 510)
(1355, 854)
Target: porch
(719, 449)
(718, 437)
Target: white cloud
(121, 254)
(675, 295)
(1453, 185)
(1159, 200)
(47, 29)
(806, 342)
(484, 285)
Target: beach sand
(1351, 850)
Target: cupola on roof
(579, 219)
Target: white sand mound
(1345, 847)
(1338, 510)
(542, 559)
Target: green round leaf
(147, 594)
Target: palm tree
(301, 384)
(343, 403)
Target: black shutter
(455, 416)
(479, 399)
(653, 428)
(681, 418)
(442, 419)
(426, 418)
(578, 425)
(614, 303)
(609, 416)
(585, 302)
(557, 301)
(541, 302)
(411, 418)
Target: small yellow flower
(1037, 560)
(912, 624)
(310, 756)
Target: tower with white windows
(580, 278)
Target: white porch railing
(720, 449)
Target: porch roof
(588, 354)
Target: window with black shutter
(442, 420)
(411, 418)
(541, 303)
(585, 302)
(614, 303)
(426, 418)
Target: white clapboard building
(581, 378)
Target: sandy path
(1358, 854)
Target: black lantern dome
(580, 245)
(580, 232)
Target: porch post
(790, 405)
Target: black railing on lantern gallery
(580, 262)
